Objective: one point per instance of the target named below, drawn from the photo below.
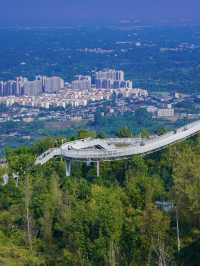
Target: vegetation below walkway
(115, 219)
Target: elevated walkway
(97, 150)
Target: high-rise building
(111, 79)
(104, 84)
(82, 83)
(32, 88)
(43, 80)
(93, 77)
(20, 85)
(110, 74)
(1, 88)
(8, 88)
(52, 84)
(118, 84)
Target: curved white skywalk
(117, 148)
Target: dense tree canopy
(118, 218)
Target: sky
(64, 12)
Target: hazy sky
(62, 12)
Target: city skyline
(60, 12)
(102, 79)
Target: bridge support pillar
(68, 167)
(98, 168)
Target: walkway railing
(117, 148)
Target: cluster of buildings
(49, 92)
(70, 97)
(111, 79)
(82, 83)
(105, 79)
(85, 94)
(83, 98)
(22, 86)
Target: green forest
(140, 211)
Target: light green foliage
(124, 132)
(186, 177)
(46, 143)
(83, 133)
(145, 133)
(16, 255)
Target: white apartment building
(165, 112)
(32, 88)
(110, 74)
(53, 84)
(82, 83)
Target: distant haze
(63, 12)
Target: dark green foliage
(161, 131)
(190, 255)
(48, 219)
(132, 123)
